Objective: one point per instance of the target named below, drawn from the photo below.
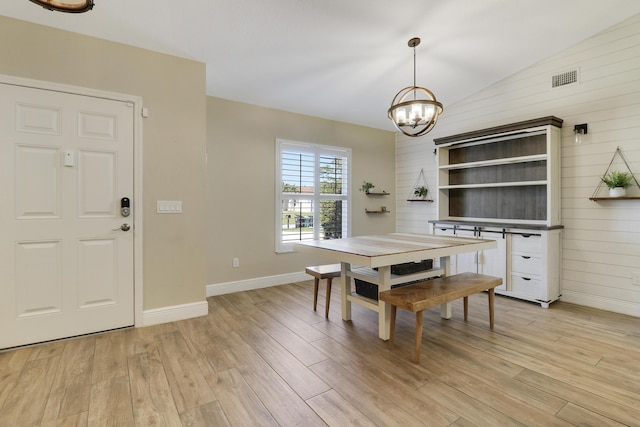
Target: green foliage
(366, 186)
(290, 188)
(617, 179)
(421, 191)
(331, 210)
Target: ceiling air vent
(564, 78)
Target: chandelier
(71, 6)
(414, 110)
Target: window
(312, 197)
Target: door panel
(100, 126)
(96, 265)
(97, 184)
(38, 119)
(494, 261)
(65, 162)
(466, 262)
(37, 182)
(38, 285)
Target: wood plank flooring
(264, 357)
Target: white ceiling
(343, 59)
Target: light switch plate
(169, 206)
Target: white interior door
(66, 161)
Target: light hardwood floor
(264, 357)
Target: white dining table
(369, 258)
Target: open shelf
(494, 184)
(370, 303)
(496, 162)
(371, 276)
(512, 175)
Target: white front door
(66, 161)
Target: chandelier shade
(70, 6)
(414, 110)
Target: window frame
(318, 150)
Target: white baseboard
(174, 313)
(608, 304)
(257, 283)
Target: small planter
(366, 187)
(421, 192)
(617, 192)
(617, 182)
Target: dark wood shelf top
(543, 121)
(614, 198)
(376, 193)
(419, 200)
(377, 212)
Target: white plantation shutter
(312, 183)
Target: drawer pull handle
(526, 236)
(526, 278)
(525, 257)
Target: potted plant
(366, 186)
(617, 182)
(421, 192)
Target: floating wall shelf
(613, 198)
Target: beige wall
(241, 184)
(173, 90)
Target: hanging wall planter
(420, 191)
(616, 181)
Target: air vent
(564, 78)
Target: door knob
(123, 227)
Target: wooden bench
(420, 296)
(320, 272)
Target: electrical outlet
(635, 278)
(236, 262)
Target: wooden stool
(320, 272)
(422, 295)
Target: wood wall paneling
(601, 240)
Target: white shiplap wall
(601, 240)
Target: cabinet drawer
(527, 286)
(526, 264)
(526, 243)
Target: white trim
(138, 141)
(315, 151)
(138, 284)
(174, 313)
(595, 301)
(256, 283)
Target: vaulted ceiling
(343, 59)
